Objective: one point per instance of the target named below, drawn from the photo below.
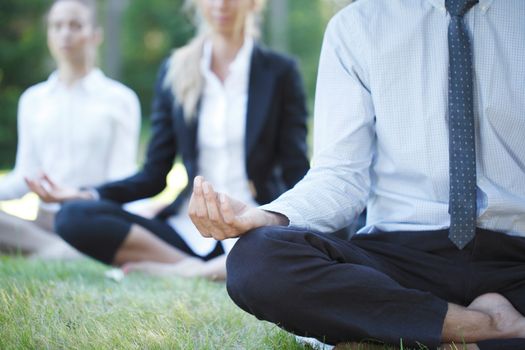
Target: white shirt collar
(484, 4)
(90, 82)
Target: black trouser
(98, 228)
(389, 287)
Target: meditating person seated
(419, 116)
(233, 111)
(79, 128)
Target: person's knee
(253, 268)
(72, 219)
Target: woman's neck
(69, 73)
(225, 48)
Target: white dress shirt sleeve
(12, 185)
(122, 159)
(335, 190)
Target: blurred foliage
(23, 62)
(304, 31)
(150, 29)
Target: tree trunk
(278, 24)
(112, 52)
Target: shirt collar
(440, 4)
(90, 82)
(93, 80)
(243, 56)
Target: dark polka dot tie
(462, 146)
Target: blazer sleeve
(160, 155)
(292, 138)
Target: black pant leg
(98, 228)
(329, 289)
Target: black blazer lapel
(260, 88)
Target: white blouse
(220, 140)
(81, 135)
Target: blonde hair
(184, 75)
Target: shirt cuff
(295, 219)
(92, 192)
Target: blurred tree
(150, 30)
(277, 24)
(133, 50)
(22, 63)
(112, 56)
(305, 27)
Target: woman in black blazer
(232, 110)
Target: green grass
(71, 305)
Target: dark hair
(90, 4)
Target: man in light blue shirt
(393, 76)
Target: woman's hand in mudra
(50, 192)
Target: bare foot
(504, 316)
(188, 267)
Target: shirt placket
(221, 128)
(69, 132)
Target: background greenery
(23, 61)
(132, 52)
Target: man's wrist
(88, 194)
(276, 219)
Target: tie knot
(458, 8)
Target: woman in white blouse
(78, 127)
(234, 112)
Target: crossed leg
(106, 232)
(387, 287)
(28, 238)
